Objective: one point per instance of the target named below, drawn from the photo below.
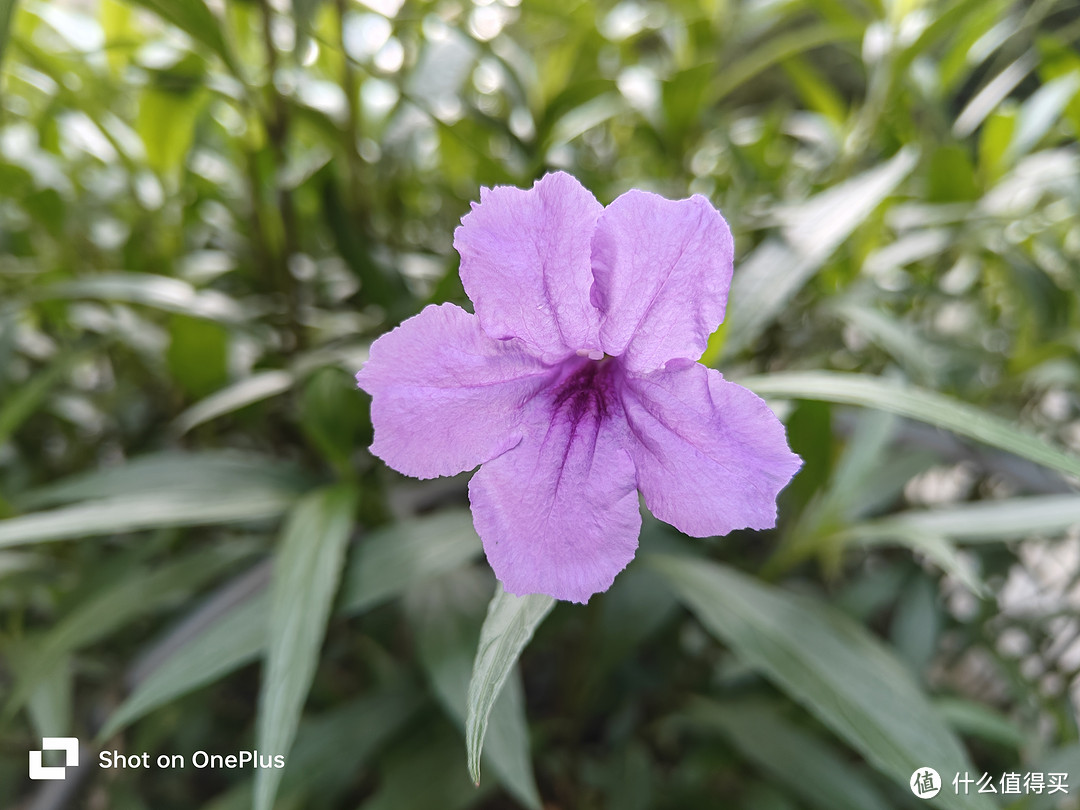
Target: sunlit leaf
(1040, 112)
(166, 124)
(160, 292)
(197, 354)
(7, 11)
(195, 18)
(769, 277)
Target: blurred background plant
(209, 209)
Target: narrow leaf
(113, 608)
(936, 546)
(21, 404)
(446, 617)
(383, 564)
(198, 474)
(913, 403)
(331, 747)
(307, 569)
(808, 766)
(424, 771)
(996, 91)
(1040, 112)
(7, 12)
(830, 664)
(160, 292)
(389, 560)
(510, 623)
(236, 639)
(769, 278)
(985, 521)
(195, 18)
(139, 512)
(247, 391)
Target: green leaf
(259, 386)
(950, 175)
(778, 49)
(331, 747)
(382, 565)
(991, 96)
(994, 140)
(984, 521)
(1065, 760)
(236, 639)
(166, 122)
(805, 764)
(21, 404)
(770, 276)
(155, 492)
(446, 617)
(977, 720)
(112, 608)
(934, 545)
(916, 624)
(329, 414)
(913, 403)
(510, 623)
(1057, 59)
(7, 12)
(387, 561)
(160, 292)
(197, 354)
(845, 677)
(50, 704)
(197, 474)
(816, 90)
(195, 18)
(1040, 112)
(425, 771)
(581, 119)
(307, 569)
(141, 511)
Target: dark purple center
(586, 391)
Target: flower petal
(662, 271)
(525, 264)
(445, 396)
(559, 513)
(711, 456)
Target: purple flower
(575, 385)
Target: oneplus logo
(70, 747)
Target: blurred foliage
(209, 209)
